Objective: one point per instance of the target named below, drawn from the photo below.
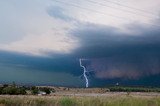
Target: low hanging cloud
(115, 54)
(100, 40)
(124, 67)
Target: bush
(9, 90)
(133, 89)
(47, 90)
(21, 91)
(1, 90)
(34, 90)
(13, 91)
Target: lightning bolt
(84, 72)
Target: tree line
(13, 89)
(133, 89)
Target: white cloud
(99, 14)
(51, 41)
(38, 32)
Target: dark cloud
(59, 63)
(111, 54)
(115, 54)
(59, 70)
(101, 41)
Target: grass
(67, 101)
(78, 101)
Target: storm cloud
(47, 39)
(115, 54)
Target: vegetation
(34, 90)
(132, 89)
(22, 98)
(46, 90)
(78, 101)
(67, 101)
(13, 89)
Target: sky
(41, 42)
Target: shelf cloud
(50, 36)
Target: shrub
(21, 91)
(47, 90)
(133, 89)
(9, 90)
(13, 91)
(1, 90)
(34, 90)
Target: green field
(55, 100)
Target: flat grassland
(83, 99)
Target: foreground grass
(78, 101)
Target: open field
(83, 99)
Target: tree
(47, 90)
(9, 90)
(1, 90)
(21, 91)
(34, 90)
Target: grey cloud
(121, 55)
(124, 67)
(100, 40)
